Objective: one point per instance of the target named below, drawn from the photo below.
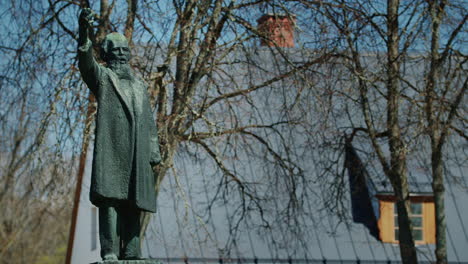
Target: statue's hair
(112, 37)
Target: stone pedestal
(140, 261)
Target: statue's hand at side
(154, 162)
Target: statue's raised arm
(85, 21)
(89, 68)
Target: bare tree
(376, 93)
(406, 80)
(38, 120)
(444, 91)
(213, 99)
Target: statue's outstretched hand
(86, 18)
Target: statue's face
(118, 51)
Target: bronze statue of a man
(126, 144)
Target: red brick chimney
(278, 29)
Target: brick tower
(278, 29)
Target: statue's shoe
(110, 257)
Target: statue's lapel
(139, 96)
(120, 93)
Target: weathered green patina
(126, 144)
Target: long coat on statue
(126, 141)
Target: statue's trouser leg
(130, 230)
(108, 233)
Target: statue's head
(115, 49)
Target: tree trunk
(398, 174)
(434, 129)
(439, 192)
